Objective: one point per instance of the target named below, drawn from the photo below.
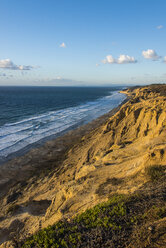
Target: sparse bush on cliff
(108, 216)
(155, 172)
(118, 222)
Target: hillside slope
(110, 159)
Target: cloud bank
(150, 54)
(123, 59)
(60, 81)
(8, 64)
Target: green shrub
(104, 214)
(107, 215)
(108, 224)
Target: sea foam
(16, 136)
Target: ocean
(31, 114)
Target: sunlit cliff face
(110, 159)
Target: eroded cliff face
(110, 159)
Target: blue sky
(51, 42)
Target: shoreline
(48, 156)
(83, 128)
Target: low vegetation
(122, 221)
(155, 172)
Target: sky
(75, 42)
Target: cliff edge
(114, 158)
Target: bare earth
(75, 172)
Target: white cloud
(8, 64)
(160, 27)
(63, 45)
(123, 59)
(109, 59)
(97, 65)
(126, 59)
(150, 54)
(164, 59)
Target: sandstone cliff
(112, 158)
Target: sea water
(30, 114)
